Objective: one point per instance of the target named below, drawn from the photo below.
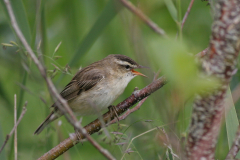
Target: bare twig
(15, 121)
(129, 111)
(202, 53)
(187, 13)
(143, 17)
(235, 146)
(15, 126)
(169, 146)
(62, 104)
(96, 125)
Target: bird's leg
(77, 132)
(78, 135)
(135, 91)
(113, 109)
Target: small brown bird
(97, 85)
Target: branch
(15, 126)
(95, 126)
(61, 103)
(202, 53)
(129, 111)
(235, 146)
(143, 17)
(220, 62)
(187, 13)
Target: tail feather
(51, 117)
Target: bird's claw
(136, 91)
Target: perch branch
(220, 62)
(95, 126)
(62, 104)
(128, 112)
(15, 126)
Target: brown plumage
(96, 85)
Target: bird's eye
(127, 67)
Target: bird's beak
(137, 73)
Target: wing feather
(82, 81)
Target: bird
(97, 85)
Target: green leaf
(173, 58)
(21, 17)
(22, 21)
(172, 9)
(109, 12)
(231, 121)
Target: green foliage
(231, 121)
(172, 9)
(89, 31)
(109, 12)
(180, 67)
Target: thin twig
(235, 146)
(62, 104)
(15, 126)
(15, 121)
(187, 13)
(169, 146)
(143, 17)
(137, 137)
(202, 53)
(96, 125)
(129, 111)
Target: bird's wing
(82, 81)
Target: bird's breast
(99, 97)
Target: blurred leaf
(180, 67)
(21, 17)
(2, 155)
(231, 121)
(7, 44)
(172, 9)
(22, 21)
(4, 97)
(109, 12)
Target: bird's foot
(78, 135)
(135, 91)
(113, 110)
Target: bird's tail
(51, 117)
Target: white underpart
(99, 97)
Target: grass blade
(231, 121)
(108, 13)
(21, 17)
(172, 9)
